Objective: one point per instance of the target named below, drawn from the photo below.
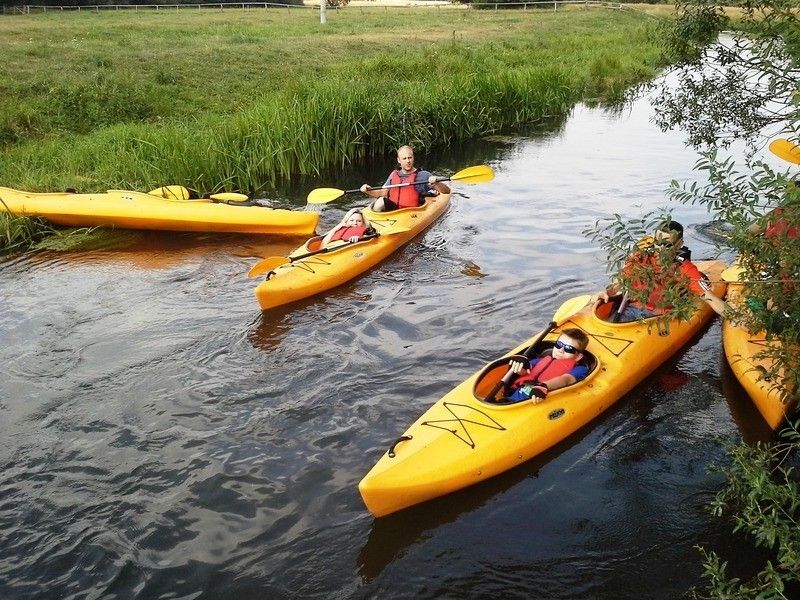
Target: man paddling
(420, 183)
(648, 272)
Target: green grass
(243, 99)
(21, 233)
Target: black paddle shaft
(331, 249)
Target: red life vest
(546, 369)
(680, 269)
(779, 227)
(345, 233)
(407, 196)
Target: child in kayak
(353, 227)
(559, 369)
(651, 269)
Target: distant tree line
(10, 3)
(545, 4)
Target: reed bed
(20, 233)
(303, 111)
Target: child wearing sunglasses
(546, 373)
(652, 270)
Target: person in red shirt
(666, 261)
(776, 228)
(779, 231)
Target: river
(160, 437)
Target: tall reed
(20, 233)
(321, 114)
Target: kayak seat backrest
(314, 243)
(607, 309)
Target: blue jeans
(634, 312)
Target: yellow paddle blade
(570, 307)
(267, 265)
(783, 148)
(324, 195)
(229, 197)
(171, 192)
(732, 274)
(476, 174)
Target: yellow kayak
(138, 210)
(306, 275)
(462, 439)
(741, 346)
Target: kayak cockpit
(489, 380)
(312, 245)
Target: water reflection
(190, 442)
(743, 410)
(391, 536)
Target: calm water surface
(161, 438)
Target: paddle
(476, 174)
(564, 312)
(179, 192)
(783, 148)
(273, 262)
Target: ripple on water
(162, 438)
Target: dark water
(161, 438)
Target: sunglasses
(568, 348)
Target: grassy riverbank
(238, 99)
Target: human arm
(701, 286)
(755, 228)
(326, 239)
(374, 192)
(576, 374)
(715, 302)
(437, 185)
(612, 290)
(560, 381)
(427, 183)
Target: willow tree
(742, 86)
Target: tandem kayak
(312, 271)
(754, 373)
(138, 210)
(462, 439)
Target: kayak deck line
(476, 417)
(463, 439)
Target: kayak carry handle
(402, 438)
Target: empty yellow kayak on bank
(753, 372)
(308, 270)
(463, 439)
(167, 208)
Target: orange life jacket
(345, 233)
(779, 228)
(407, 196)
(546, 369)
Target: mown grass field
(239, 100)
